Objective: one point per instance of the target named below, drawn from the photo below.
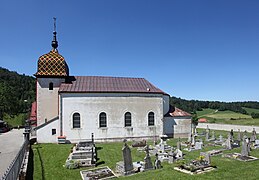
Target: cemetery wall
(227, 127)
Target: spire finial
(54, 43)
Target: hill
(17, 92)
(192, 106)
(228, 117)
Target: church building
(112, 108)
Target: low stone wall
(227, 127)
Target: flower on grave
(200, 158)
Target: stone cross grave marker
(147, 159)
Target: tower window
(102, 120)
(151, 119)
(127, 118)
(76, 120)
(51, 86)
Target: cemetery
(191, 158)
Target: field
(17, 120)
(229, 117)
(50, 158)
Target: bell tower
(52, 70)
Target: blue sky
(205, 50)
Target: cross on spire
(54, 43)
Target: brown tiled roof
(81, 84)
(202, 120)
(176, 112)
(33, 115)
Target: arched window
(151, 119)
(127, 119)
(51, 86)
(76, 120)
(102, 120)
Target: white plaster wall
(177, 126)
(44, 134)
(115, 105)
(166, 103)
(47, 100)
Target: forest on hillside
(192, 106)
(17, 92)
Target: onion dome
(52, 63)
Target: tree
(195, 119)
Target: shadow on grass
(41, 163)
(100, 163)
(98, 148)
(97, 158)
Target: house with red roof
(112, 108)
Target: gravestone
(157, 163)
(206, 156)
(231, 133)
(208, 129)
(179, 144)
(207, 135)
(128, 166)
(253, 136)
(239, 136)
(193, 140)
(198, 145)
(178, 154)
(213, 135)
(171, 157)
(228, 142)
(256, 144)
(147, 160)
(245, 135)
(245, 151)
(220, 138)
(125, 167)
(248, 145)
(141, 143)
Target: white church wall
(166, 106)
(115, 105)
(177, 126)
(44, 134)
(47, 100)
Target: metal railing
(13, 170)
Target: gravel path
(10, 144)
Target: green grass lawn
(228, 117)
(50, 158)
